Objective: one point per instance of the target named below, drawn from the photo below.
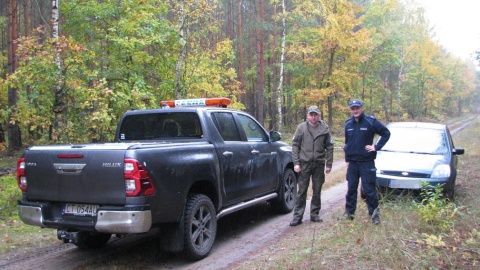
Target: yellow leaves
(433, 241)
(209, 73)
(329, 50)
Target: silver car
(418, 152)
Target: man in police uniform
(312, 153)
(360, 154)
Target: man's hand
(370, 148)
(297, 168)
(328, 169)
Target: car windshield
(416, 140)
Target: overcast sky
(457, 24)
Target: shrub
(434, 208)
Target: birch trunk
(282, 60)
(59, 105)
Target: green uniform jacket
(306, 149)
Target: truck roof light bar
(214, 102)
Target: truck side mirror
(275, 136)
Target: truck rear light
(21, 178)
(137, 180)
(130, 185)
(70, 155)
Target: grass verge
(14, 233)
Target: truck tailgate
(92, 174)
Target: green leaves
(435, 209)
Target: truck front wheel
(200, 226)
(287, 195)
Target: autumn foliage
(125, 55)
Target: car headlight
(442, 170)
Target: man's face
(313, 118)
(356, 111)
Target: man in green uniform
(312, 151)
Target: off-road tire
(200, 229)
(91, 240)
(287, 194)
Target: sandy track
(240, 235)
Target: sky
(456, 24)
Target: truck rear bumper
(31, 215)
(124, 221)
(107, 221)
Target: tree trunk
(272, 85)
(241, 76)
(280, 81)
(14, 137)
(260, 68)
(399, 90)
(183, 44)
(330, 96)
(229, 22)
(59, 105)
(25, 17)
(385, 98)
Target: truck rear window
(160, 126)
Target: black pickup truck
(176, 169)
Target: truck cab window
(161, 126)
(253, 130)
(226, 126)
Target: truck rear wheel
(287, 195)
(88, 240)
(200, 226)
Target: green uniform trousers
(315, 171)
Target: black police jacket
(361, 133)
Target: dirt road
(240, 235)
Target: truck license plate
(80, 209)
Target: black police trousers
(367, 172)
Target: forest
(71, 68)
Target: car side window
(226, 126)
(253, 130)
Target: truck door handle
(227, 154)
(255, 152)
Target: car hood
(411, 162)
